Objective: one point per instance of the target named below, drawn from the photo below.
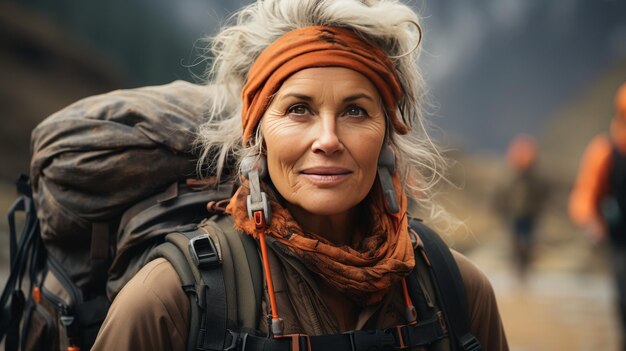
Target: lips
(326, 176)
(328, 171)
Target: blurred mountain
(500, 67)
(577, 122)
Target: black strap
(449, 286)
(212, 295)
(402, 337)
(25, 252)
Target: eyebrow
(346, 99)
(358, 96)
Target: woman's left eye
(355, 111)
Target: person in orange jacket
(598, 199)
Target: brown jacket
(152, 311)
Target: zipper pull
(67, 320)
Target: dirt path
(566, 303)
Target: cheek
(282, 155)
(275, 163)
(366, 147)
(369, 163)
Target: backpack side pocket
(41, 331)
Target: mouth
(326, 175)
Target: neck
(336, 228)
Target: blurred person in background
(520, 199)
(598, 200)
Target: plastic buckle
(299, 342)
(470, 343)
(400, 335)
(362, 340)
(203, 252)
(234, 341)
(262, 205)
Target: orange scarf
(364, 271)
(317, 47)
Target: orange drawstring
(411, 313)
(259, 221)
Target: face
(323, 132)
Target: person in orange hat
(598, 199)
(521, 198)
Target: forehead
(328, 77)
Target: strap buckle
(203, 252)
(261, 205)
(234, 341)
(299, 342)
(418, 334)
(470, 343)
(365, 340)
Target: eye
(298, 109)
(355, 111)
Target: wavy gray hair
(388, 24)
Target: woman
(326, 91)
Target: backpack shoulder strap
(448, 286)
(244, 253)
(206, 259)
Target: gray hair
(388, 24)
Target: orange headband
(317, 47)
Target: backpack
(613, 205)
(110, 192)
(108, 181)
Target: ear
(386, 167)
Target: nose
(327, 139)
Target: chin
(328, 207)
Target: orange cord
(259, 220)
(407, 297)
(268, 276)
(408, 303)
